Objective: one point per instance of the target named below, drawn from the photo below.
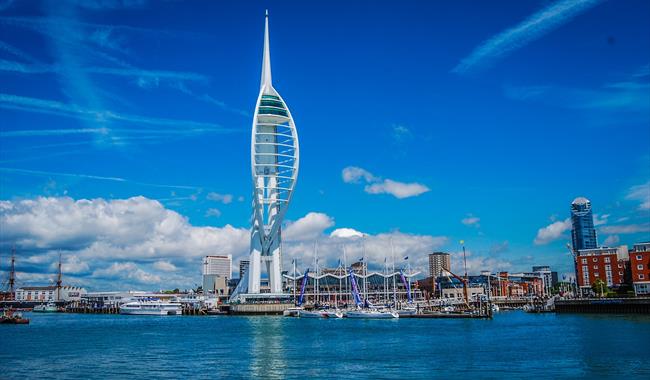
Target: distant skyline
(125, 127)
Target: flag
(385, 260)
(406, 257)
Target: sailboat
(295, 311)
(409, 309)
(369, 313)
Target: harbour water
(514, 344)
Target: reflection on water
(266, 353)
(513, 344)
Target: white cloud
(345, 233)
(164, 266)
(223, 198)
(552, 232)
(353, 174)
(626, 228)
(640, 193)
(376, 185)
(599, 220)
(213, 212)
(612, 240)
(531, 29)
(308, 227)
(127, 271)
(95, 234)
(397, 189)
(471, 220)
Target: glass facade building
(583, 233)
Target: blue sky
(125, 130)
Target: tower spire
(266, 63)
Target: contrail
(533, 28)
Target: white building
(218, 265)
(216, 273)
(49, 293)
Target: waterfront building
(334, 286)
(220, 265)
(600, 263)
(548, 276)
(243, 267)
(583, 233)
(437, 262)
(216, 272)
(640, 268)
(458, 293)
(274, 166)
(49, 293)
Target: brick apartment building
(640, 268)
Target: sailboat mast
(59, 281)
(12, 271)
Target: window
(606, 259)
(620, 265)
(596, 274)
(595, 260)
(620, 273)
(641, 276)
(584, 261)
(608, 267)
(639, 267)
(595, 266)
(638, 257)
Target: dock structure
(638, 305)
(259, 308)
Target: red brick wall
(644, 261)
(597, 269)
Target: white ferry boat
(42, 308)
(151, 307)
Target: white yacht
(332, 313)
(151, 307)
(42, 308)
(292, 311)
(371, 314)
(407, 310)
(310, 314)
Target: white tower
(274, 166)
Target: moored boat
(12, 318)
(332, 313)
(371, 314)
(292, 311)
(310, 314)
(151, 307)
(43, 308)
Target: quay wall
(604, 305)
(259, 308)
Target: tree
(599, 287)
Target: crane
(462, 280)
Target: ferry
(49, 308)
(151, 307)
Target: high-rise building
(583, 233)
(216, 273)
(274, 167)
(243, 267)
(437, 262)
(218, 265)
